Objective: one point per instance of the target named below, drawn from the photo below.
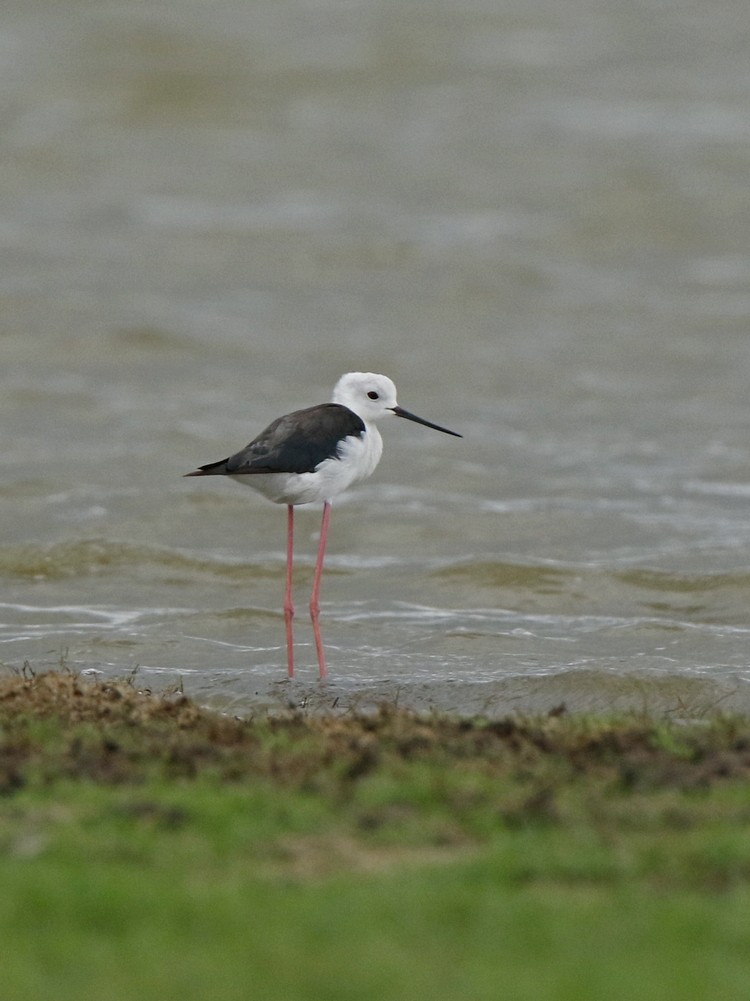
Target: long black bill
(400, 412)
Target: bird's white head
(372, 396)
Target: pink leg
(314, 597)
(288, 603)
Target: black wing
(295, 443)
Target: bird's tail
(211, 469)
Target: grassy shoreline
(150, 848)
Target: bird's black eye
(373, 395)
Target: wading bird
(313, 455)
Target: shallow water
(533, 218)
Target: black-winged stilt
(312, 455)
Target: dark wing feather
(295, 443)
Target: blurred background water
(532, 215)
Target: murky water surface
(532, 216)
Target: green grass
(150, 850)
